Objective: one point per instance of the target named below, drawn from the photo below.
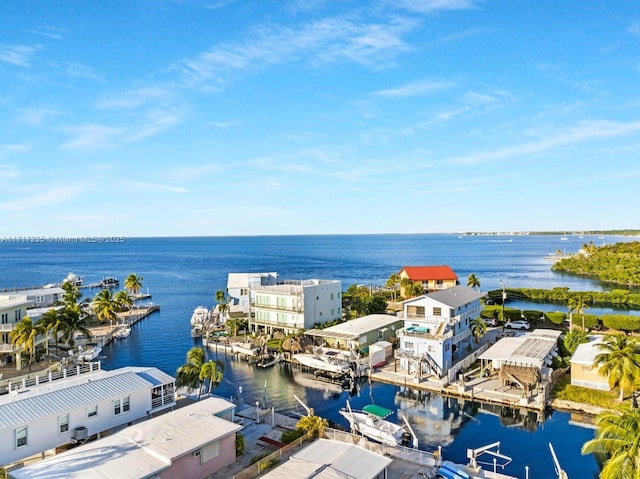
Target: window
(5, 318)
(92, 411)
(408, 346)
(437, 311)
(117, 407)
(39, 299)
(63, 423)
(21, 437)
(18, 315)
(331, 296)
(126, 406)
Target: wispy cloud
(583, 132)
(134, 98)
(77, 70)
(48, 196)
(36, 116)
(8, 150)
(49, 32)
(325, 40)
(145, 186)
(19, 55)
(429, 6)
(89, 137)
(423, 87)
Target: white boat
(247, 349)
(74, 279)
(269, 359)
(200, 316)
(196, 330)
(371, 423)
(109, 282)
(122, 332)
(90, 354)
(323, 363)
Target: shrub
(621, 322)
(291, 435)
(556, 317)
(239, 445)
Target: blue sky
(223, 117)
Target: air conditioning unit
(196, 453)
(79, 434)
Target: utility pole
(504, 298)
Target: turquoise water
(182, 273)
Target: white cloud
(89, 137)
(414, 89)
(8, 150)
(583, 132)
(19, 55)
(429, 6)
(146, 186)
(47, 196)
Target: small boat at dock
(122, 332)
(323, 362)
(90, 354)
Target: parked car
(490, 321)
(519, 324)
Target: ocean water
(182, 273)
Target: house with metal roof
(436, 330)
(358, 334)
(45, 416)
(432, 278)
(191, 442)
(327, 459)
(583, 372)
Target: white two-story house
(241, 287)
(38, 418)
(13, 309)
(295, 305)
(436, 330)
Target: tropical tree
(25, 335)
(223, 306)
(577, 304)
(619, 361)
(312, 424)
(188, 375)
(393, 283)
(473, 282)
(573, 339)
(133, 284)
(618, 438)
(413, 289)
(73, 321)
(478, 328)
(71, 294)
(123, 299)
(53, 323)
(210, 371)
(104, 306)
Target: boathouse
(358, 334)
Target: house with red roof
(433, 278)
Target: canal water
(182, 273)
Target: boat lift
(474, 454)
(556, 465)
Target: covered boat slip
(523, 359)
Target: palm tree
(123, 299)
(25, 336)
(73, 321)
(577, 304)
(312, 424)
(104, 306)
(223, 306)
(473, 281)
(188, 375)
(211, 371)
(478, 328)
(620, 361)
(71, 294)
(394, 283)
(133, 283)
(618, 437)
(52, 322)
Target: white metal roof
(354, 328)
(62, 395)
(241, 280)
(327, 459)
(453, 297)
(526, 349)
(586, 353)
(142, 450)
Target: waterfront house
(432, 278)
(583, 372)
(36, 418)
(295, 305)
(39, 297)
(358, 334)
(191, 442)
(436, 332)
(332, 459)
(241, 288)
(13, 308)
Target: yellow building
(583, 373)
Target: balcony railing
(274, 307)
